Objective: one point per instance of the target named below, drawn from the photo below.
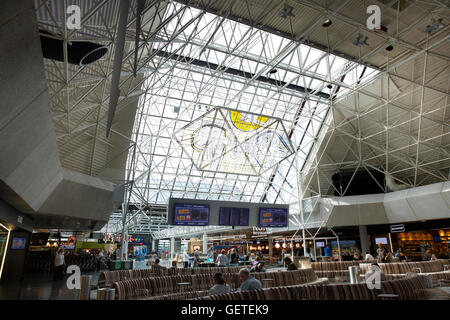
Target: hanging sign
(397, 228)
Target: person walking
(222, 259)
(381, 252)
(186, 258)
(59, 264)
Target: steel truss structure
(341, 106)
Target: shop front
(419, 240)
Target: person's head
(244, 274)
(380, 245)
(257, 259)
(288, 260)
(174, 263)
(156, 261)
(259, 266)
(223, 251)
(218, 278)
(367, 252)
(60, 250)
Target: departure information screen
(191, 214)
(273, 217)
(234, 216)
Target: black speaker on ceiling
(362, 183)
(80, 53)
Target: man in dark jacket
(290, 265)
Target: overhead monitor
(273, 217)
(320, 244)
(382, 240)
(234, 216)
(18, 243)
(186, 214)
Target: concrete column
(304, 243)
(172, 248)
(124, 250)
(364, 239)
(271, 247)
(205, 243)
(153, 244)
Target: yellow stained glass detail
(247, 122)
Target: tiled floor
(41, 286)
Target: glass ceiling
(205, 65)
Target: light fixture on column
(277, 245)
(327, 23)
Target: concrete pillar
(304, 243)
(124, 250)
(205, 244)
(172, 248)
(364, 239)
(153, 245)
(271, 247)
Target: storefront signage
(261, 230)
(397, 228)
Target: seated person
(156, 262)
(289, 264)
(357, 256)
(248, 283)
(220, 285)
(255, 262)
(387, 258)
(258, 268)
(369, 256)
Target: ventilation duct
(80, 53)
(362, 182)
(392, 185)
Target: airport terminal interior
(224, 150)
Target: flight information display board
(273, 217)
(186, 214)
(234, 216)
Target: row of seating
(107, 278)
(163, 285)
(198, 294)
(334, 268)
(404, 267)
(406, 289)
(436, 270)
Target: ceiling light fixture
(435, 26)
(360, 41)
(327, 23)
(286, 12)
